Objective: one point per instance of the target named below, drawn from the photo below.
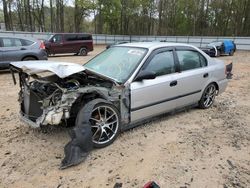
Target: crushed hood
(61, 69)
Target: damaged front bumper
(53, 117)
(26, 120)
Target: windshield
(216, 43)
(117, 63)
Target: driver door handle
(173, 83)
(205, 75)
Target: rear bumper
(43, 55)
(222, 85)
(4, 65)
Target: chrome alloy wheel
(209, 95)
(104, 124)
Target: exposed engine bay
(49, 100)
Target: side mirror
(145, 75)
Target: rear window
(190, 59)
(26, 42)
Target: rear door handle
(205, 75)
(23, 49)
(173, 83)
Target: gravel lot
(193, 148)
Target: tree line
(130, 17)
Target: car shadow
(62, 55)
(6, 71)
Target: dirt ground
(193, 148)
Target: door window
(189, 59)
(162, 63)
(18, 42)
(57, 38)
(8, 42)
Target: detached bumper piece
(79, 147)
(229, 69)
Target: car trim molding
(165, 100)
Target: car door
(192, 77)
(12, 48)
(71, 43)
(154, 96)
(1, 50)
(57, 45)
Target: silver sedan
(121, 87)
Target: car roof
(153, 45)
(18, 37)
(71, 34)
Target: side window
(18, 42)
(57, 38)
(26, 42)
(162, 63)
(8, 42)
(1, 42)
(190, 59)
(70, 37)
(84, 37)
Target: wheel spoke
(96, 120)
(94, 135)
(95, 126)
(106, 134)
(207, 101)
(110, 129)
(111, 123)
(99, 112)
(100, 135)
(105, 113)
(110, 117)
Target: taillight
(42, 46)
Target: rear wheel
(208, 96)
(47, 51)
(231, 53)
(29, 59)
(83, 52)
(218, 53)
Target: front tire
(104, 119)
(83, 52)
(208, 96)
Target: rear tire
(208, 96)
(47, 51)
(83, 52)
(29, 59)
(218, 53)
(231, 53)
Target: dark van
(78, 43)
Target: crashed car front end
(44, 102)
(51, 100)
